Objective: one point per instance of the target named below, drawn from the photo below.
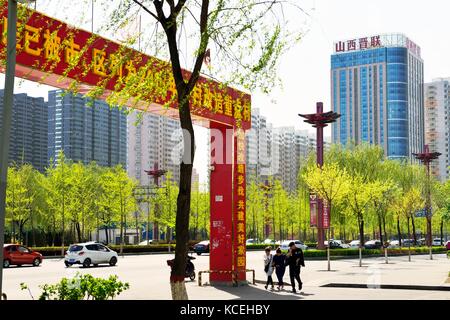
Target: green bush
(81, 287)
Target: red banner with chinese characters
(326, 215)
(313, 204)
(239, 194)
(54, 53)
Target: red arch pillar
(228, 202)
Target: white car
(437, 242)
(394, 244)
(144, 243)
(285, 245)
(354, 244)
(90, 253)
(252, 241)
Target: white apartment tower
(437, 124)
(153, 139)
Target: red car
(447, 245)
(16, 254)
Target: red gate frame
(45, 49)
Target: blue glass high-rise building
(377, 87)
(86, 130)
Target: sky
(305, 69)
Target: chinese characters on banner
(326, 215)
(239, 187)
(313, 210)
(355, 44)
(54, 53)
(414, 48)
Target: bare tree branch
(203, 43)
(146, 9)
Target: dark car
(15, 254)
(373, 244)
(202, 247)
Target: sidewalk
(419, 272)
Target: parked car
(447, 245)
(354, 244)
(90, 253)
(285, 245)
(437, 242)
(252, 241)
(144, 243)
(394, 244)
(407, 242)
(15, 254)
(337, 244)
(373, 244)
(202, 247)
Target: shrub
(81, 287)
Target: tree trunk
(414, 231)
(380, 230)
(33, 231)
(441, 229)
(177, 284)
(361, 231)
(121, 234)
(78, 227)
(384, 228)
(137, 228)
(399, 234)
(107, 235)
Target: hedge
(56, 251)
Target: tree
(240, 30)
(407, 205)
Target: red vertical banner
(239, 193)
(222, 205)
(313, 210)
(326, 215)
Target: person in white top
(268, 267)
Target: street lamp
(426, 157)
(8, 100)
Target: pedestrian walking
(268, 267)
(295, 260)
(279, 262)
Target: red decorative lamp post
(426, 157)
(320, 120)
(156, 173)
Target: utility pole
(8, 100)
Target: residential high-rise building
(377, 88)
(276, 152)
(259, 157)
(293, 148)
(86, 130)
(28, 140)
(437, 124)
(153, 139)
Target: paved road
(148, 276)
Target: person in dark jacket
(279, 261)
(295, 259)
